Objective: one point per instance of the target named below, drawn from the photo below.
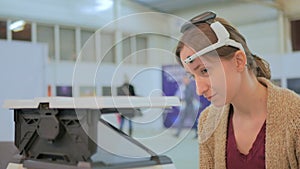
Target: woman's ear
(240, 60)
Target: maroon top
(256, 156)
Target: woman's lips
(210, 97)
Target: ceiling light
(17, 25)
(103, 4)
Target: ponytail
(262, 67)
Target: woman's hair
(201, 36)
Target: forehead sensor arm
(223, 40)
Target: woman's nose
(202, 85)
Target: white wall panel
(22, 72)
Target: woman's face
(216, 79)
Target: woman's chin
(218, 103)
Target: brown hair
(202, 36)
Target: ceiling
(169, 6)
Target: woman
(251, 123)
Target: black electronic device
(60, 132)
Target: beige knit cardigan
(282, 131)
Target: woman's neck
(251, 102)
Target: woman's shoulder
(280, 95)
(285, 102)
(291, 106)
(291, 96)
(204, 114)
(291, 102)
(209, 120)
(285, 97)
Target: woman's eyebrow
(199, 65)
(196, 68)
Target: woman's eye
(204, 71)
